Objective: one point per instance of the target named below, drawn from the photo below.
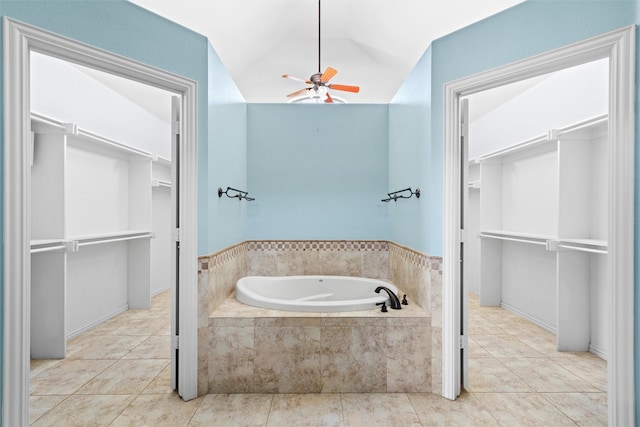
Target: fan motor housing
(316, 79)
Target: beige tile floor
(117, 374)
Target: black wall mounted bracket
(239, 194)
(402, 194)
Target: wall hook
(239, 194)
(402, 194)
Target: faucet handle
(404, 300)
(384, 306)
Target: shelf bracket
(71, 245)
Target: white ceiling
(372, 43)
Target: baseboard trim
(98, 321)
(528, 317)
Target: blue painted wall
(226, 160)
(126, 29)
(317, 171)
(409, 132)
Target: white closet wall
(506, 115)
(110, 106)
(538, 207)
(161, 225)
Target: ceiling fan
(320, 80)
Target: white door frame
(619, 47)
(19, 40)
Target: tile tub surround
(417, 274)
(420, 276)
(217, 277)
(256, 350)
(311, 257)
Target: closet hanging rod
(239, 194)
(61, 247)
(52, 245)
(101, 240)
(583, 249)
(398, 194)
(531, 241)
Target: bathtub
(312, 293)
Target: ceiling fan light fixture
(322, 92)
(320, 80)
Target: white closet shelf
(539, 144)
(550, 242)
(534, 239)
(599, 123)
(545, 142)
(162, 161)
(160, 183)
(101, 144)
(72, 244)
(43, 125)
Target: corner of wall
(409, 152)
(225, 159)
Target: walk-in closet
(538, 203)
(100, 199)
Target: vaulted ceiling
(372, 43)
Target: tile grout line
(269, 411)
(542, 395)
(415, 411)
(344, 418)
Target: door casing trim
(18, 41)
(619, 47)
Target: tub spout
(394, 302)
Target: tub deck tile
(231, 359)
(287, 359)
(354, 359)
(256, 350)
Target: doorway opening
(537, 173)
(20, 41)
(101, 183)
(618, 48)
